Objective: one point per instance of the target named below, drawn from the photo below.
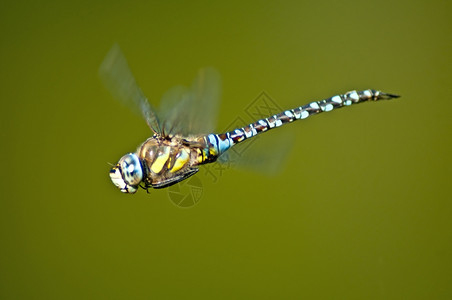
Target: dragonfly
(178, 145)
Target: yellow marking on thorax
(181, 159)
(160, 160)
(213, 151)
(200, 155)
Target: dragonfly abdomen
(224, 141)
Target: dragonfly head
(127, 174)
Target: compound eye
(131, 169)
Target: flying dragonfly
(180, 143)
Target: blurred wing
(174, 110)
(118, 79)
(264, 154)
(192, 111)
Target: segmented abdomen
(222, 142)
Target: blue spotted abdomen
(222, 142)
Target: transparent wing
(265, 154)
(174, 110)
(192, 111)
(118, 79)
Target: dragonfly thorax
(167, 160)
(127, 174)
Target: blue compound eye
(131, 169)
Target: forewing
(192, 111)
(118, 79)
(174, 110)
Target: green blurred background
(361, 210)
